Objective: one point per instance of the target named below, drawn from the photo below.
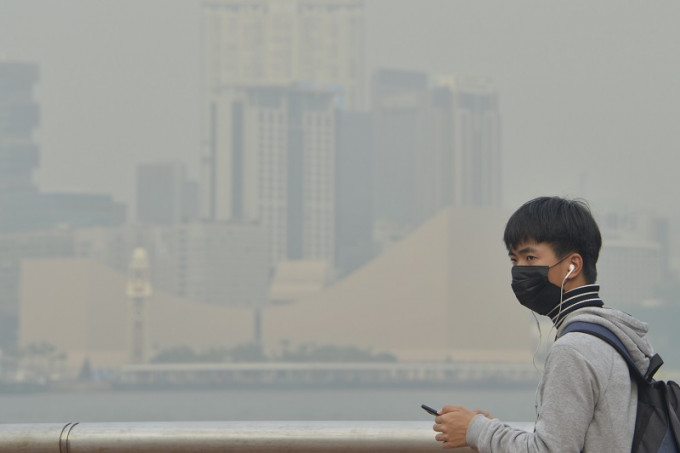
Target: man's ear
(575, 260)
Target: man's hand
(452, 424)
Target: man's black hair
(566, 225)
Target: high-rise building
(19, 117)
(353, 191)
(278, 42)
(274, 164)
(400, 106)
(466, 143)
(22, 207)
(274, 73)
(165, 196)
(435, 145)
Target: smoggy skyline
(588, 92)
(313, 238)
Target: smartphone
(429, 409)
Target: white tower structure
(139, 291)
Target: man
(586, 399)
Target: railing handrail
(232, 436)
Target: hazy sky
(589, 90)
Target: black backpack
(657, 426)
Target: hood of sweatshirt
(631, 331)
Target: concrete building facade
(165, 195)
(274, 163)
(278, 42)
(19, 117)
(466, 142)
(435, 144)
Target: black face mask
(533, 289)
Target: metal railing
(233, 437)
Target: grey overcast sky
(589, 90)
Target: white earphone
(571, 269)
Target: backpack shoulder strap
(607, 335)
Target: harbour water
(258, 404)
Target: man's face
(532, 253)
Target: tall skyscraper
(27, 217)
(275, 71)
(19, 117)
(278, 42)
(274, 164)
(435, 145)
(353, 191)
(466, 143)
(22, 206)
(400, 106)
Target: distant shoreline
(268, 375)
(104, 386)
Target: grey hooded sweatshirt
(586, 398)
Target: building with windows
(165, 195)
(435, 144)
(274, 163)
(354, 244)
(19, 117)
(34, 211)
(274, 73)
(466, 143)
(22, 206)
(278, 42)
(400, 106)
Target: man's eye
(531, 258)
